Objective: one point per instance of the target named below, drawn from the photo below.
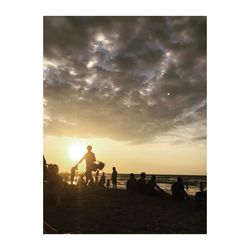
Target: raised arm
(81, 160)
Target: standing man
(114, 178)
(90, 159)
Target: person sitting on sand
(90, 159)
(53, 178)
(178, 190)
(101, 183)
(131, 183)
(108, 183)
(141, 183)
(114, 178)
(73, 174)
(55, 184)
(153, 189)
(201, 197)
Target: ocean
(191, 182)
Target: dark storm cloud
(126, 78)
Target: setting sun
(76, 151)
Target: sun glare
(76, 151)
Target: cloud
(125, 78)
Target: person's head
(202, 187)
(89, 148)
(143, 175)
(132, 176)
(114, 169)
(54, 169)
(179, 180)
(103, 173)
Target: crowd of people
(151, 187)
(55, 183)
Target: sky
(132, 87)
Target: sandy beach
(109, 211)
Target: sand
(109, 211)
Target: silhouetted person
(55, 183)
(154, 189)
(131, 183)
(53, 177)
(81, 182)
(178, 191)
(91, 183)
(73, 174)
(114, 178)
(108, 183)
(141, 183)
(102, 180)
(96, 176)
(201, 197)
(90, 159)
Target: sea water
(191, 182)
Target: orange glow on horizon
(127, 158)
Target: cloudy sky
(132, 80)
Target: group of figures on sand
(91, 181)
(91, 166)
(54, 180)
(151, 187)
(178, 191)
